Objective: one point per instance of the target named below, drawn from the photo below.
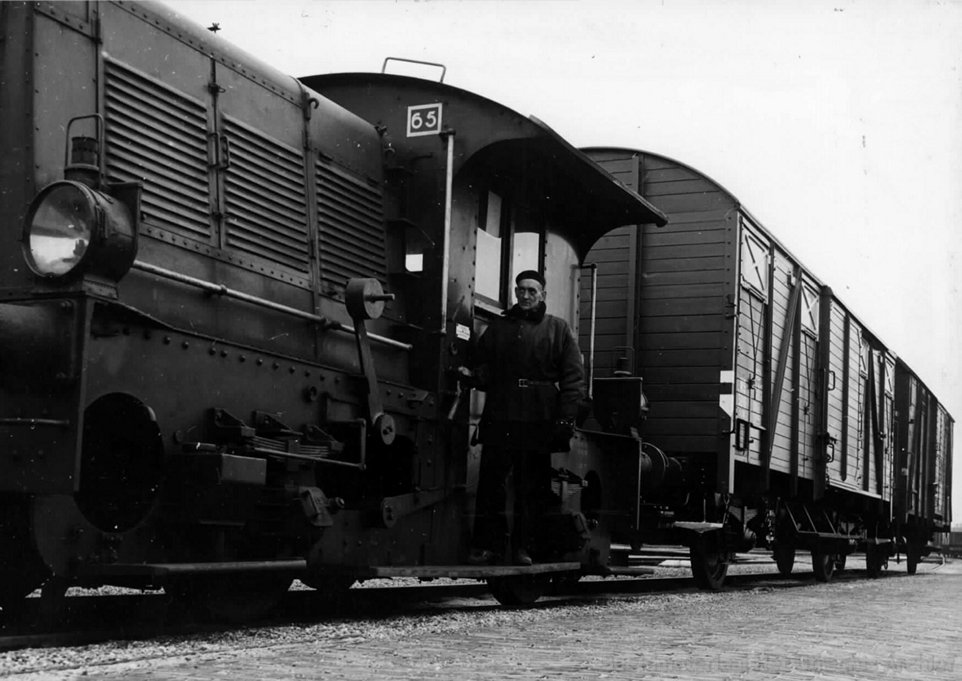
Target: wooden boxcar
(798, 426)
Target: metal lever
(365, 299)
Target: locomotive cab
(517, 196)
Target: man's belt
(528, 383)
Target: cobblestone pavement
(897, 627)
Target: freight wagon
(799, 428)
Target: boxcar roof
(758, 225)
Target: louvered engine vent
(158, 136)
(266, 203)
(351, 221)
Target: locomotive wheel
(708, 567)
(21, 568)
(823, 564)
(518, 590)
(328, 587)
(564, 582)
(784, 555)
(229, 598)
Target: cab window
(525, 252)
(490, 259)
(507, 244)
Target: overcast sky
(837, 124)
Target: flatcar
(798, 428)
(231, 304)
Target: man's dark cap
(529, 274)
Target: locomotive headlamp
(73, 229)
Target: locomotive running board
(465, 571)
(299, 566)
(294, 565)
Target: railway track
(137, 616)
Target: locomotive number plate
(424, 119)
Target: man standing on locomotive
(530, 367)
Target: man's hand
(466, 378)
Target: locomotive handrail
(222, 290)
(591, 338)
(446, 239)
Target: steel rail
(360, 603)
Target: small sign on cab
(424, 119)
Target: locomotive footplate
(158, 573)
(464, 571)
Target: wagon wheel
(784, 555)
(229, 598)
(518, 590)
(874, 561)
(708, 566)
(840, 563)
(823, 565)
(913, 556)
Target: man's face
(530, 293)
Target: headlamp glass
(60, 228)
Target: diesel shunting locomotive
(230, 323)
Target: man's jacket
(530, 366)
